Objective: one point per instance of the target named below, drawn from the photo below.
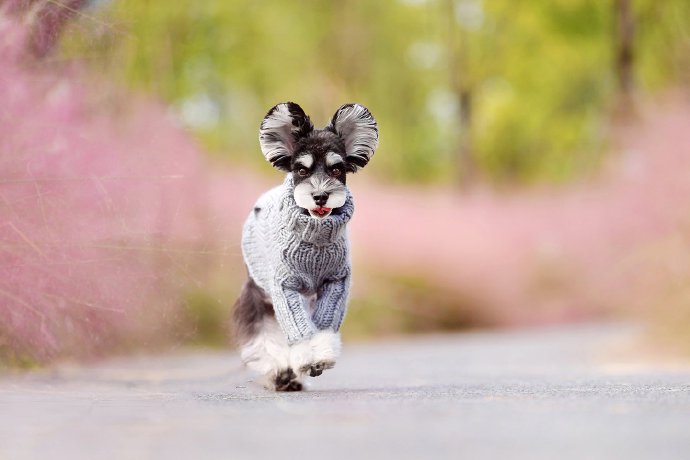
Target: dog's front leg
(291, 314)
(331, 303)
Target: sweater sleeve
(291, 313)
(331, 303)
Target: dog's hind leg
(264, 347)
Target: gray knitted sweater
(293, 256)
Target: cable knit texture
(292, 256)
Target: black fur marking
(282, 162)
(354, 162)
(300, 120)
(251, 307)
(286, 381)
(324, 365)
(318, 145)
(316, 370)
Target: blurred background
(533, 168)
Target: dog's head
(318, 159)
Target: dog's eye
(302, 171)
(335, 172)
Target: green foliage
(12, 358)
(408, 303)
(540, 72)
(207, 319)
(664, 42)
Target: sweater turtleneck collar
(310, 229)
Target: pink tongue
(322, 211)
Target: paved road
(540, 394)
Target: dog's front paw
(312, 357)
(317, 369)
(325, 349)
(301, 357)
(287, 380)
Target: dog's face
(318, 159)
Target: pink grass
(99, 214)
(549, 254)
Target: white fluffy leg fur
(301, 356)
(268, 352)
(323, 348)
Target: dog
(294, 242)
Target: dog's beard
(305, 191)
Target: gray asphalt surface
(564, 393)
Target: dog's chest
(314, 263)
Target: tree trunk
(458, 61)
(466, 164)
(624, 52)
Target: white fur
(301, 356)
(268, 352)
(333, 158)
(306, 160)
(280, 118)
(305, 191)
(357, 127)
(303, 195)
(336, 199)
(280, 123)
(323, 348)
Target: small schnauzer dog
(295, 244)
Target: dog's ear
(280, 130)
(357, 128)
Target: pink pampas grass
(100, 216)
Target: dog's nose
(320, 199)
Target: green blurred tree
(505, 91)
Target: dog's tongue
(322, 211)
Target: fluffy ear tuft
(358, 129)
(280, 130)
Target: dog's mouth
(320, 213)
